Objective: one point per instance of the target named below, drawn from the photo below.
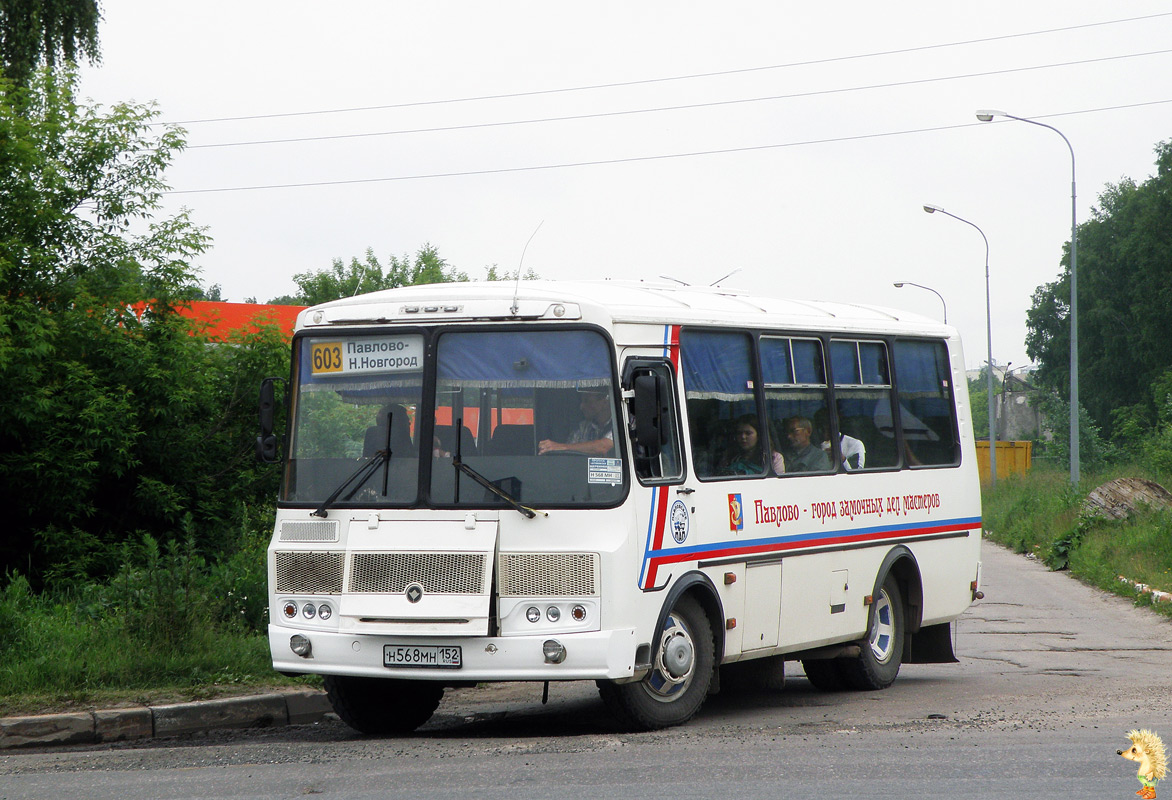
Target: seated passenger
(743, 457)
(400, 428)
(854, 453)
(803, 456)
(852, 450)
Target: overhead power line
(635, 159)
(645, 81)
(685, 107)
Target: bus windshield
(532, 412)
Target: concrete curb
(1143, 588)
(122, 724)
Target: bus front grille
(548, 574)
(438, 573)
(309, 531)
(309, 573)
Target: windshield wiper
(459, 464)
(365, 471)
(380, 458)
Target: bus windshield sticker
(605, 470)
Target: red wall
(224, 318)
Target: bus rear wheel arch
(892, 616)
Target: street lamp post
(931, 209)
(986, 116)
(901, 284)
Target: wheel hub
(882, 639)
(678, 656)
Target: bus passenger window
(794, 374)
(927, 413)
(862, 392)
(718, 391)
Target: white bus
(642, 485)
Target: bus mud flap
(931, 644)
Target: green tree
(491, 273)
(72, 181)
(117, 418)
(1125, 291)
(369, 275)
(1094, 451)
(213, 293)
(979, 405)
(36, 32)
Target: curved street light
(901, 284)
(986, 115)
(932, 209)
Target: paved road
(1053, 675)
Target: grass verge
(59, 654)
(168, 626)
(1041, 513)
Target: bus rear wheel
(681, 672)
(878, 662)
(382, 705)
(824, 674)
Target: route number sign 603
(326, 357)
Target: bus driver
(593, 436)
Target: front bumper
(594, 655)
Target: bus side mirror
(650, 396)
(267, 445)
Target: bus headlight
(553, 613)
(324, 611)
(533, 614)
(300, 645)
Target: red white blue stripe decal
(660, 494)
(655, 525)
(808, 541)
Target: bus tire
(825, 674)
(375, 706)
(681, 673)
(882, 651)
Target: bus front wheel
(681, 672)
(382, 705)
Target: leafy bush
(15, 601)
(242, 577)
(167, 620)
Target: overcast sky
(812, 136)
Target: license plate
(433, 656)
